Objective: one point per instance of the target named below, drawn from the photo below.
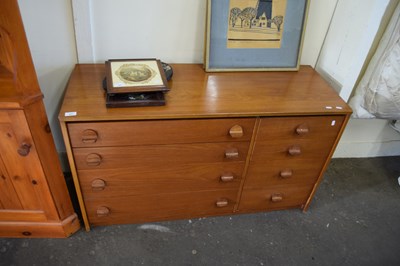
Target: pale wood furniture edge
(59, 229)
(74, 173)
(44, 143)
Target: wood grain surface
(196, 94)
(158, 132)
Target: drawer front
(101, 134)
(296, 140)
(282, 172)
(277, 197)
(142, 179)
(158, 207)
(158, 155)
(316, 150)
(315, 128)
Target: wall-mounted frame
(254, 35)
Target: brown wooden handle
(222, 203)
(102, 211)
(24, 149)
(302, 129)
(89, 136)
(98, 184)
(232, 153)
(227, 178)
(286, 173)
(93, 159)
(236, 131)
(277, 197)
(294, 150)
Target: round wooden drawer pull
(232, 153)
(24, 149)
(102, 211)
(89, 136)
(294, 150)
(98, 185)
(227, 178)
(276, 197)
(236, 131)
(286, 173)
(302, 129)
(222, 203)
(93, 159)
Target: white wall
(49, 29)
(319, 17)
(348, 41)
(170, 30)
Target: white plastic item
(378, 94)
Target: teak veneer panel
(261, 199)
(153, 155)
(284, 128)
(268, 173)
(158, 132)
(158, 207)
(148, 179)
(196, 94)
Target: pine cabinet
(34, 200)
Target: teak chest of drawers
(224, 143)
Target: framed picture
(135, 75)
(254, 35)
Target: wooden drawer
(282, 172)
(316, 150)
(316, 128)
(277, 197)
(158, 207)
(158, 155)
(101, 134)
(144, 179)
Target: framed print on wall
(254, 35)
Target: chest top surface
(197, 94)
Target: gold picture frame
(135, 75)
(254, 35)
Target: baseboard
(368, 138)
(367, 149)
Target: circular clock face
(134, 73)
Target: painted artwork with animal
(256, 23)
